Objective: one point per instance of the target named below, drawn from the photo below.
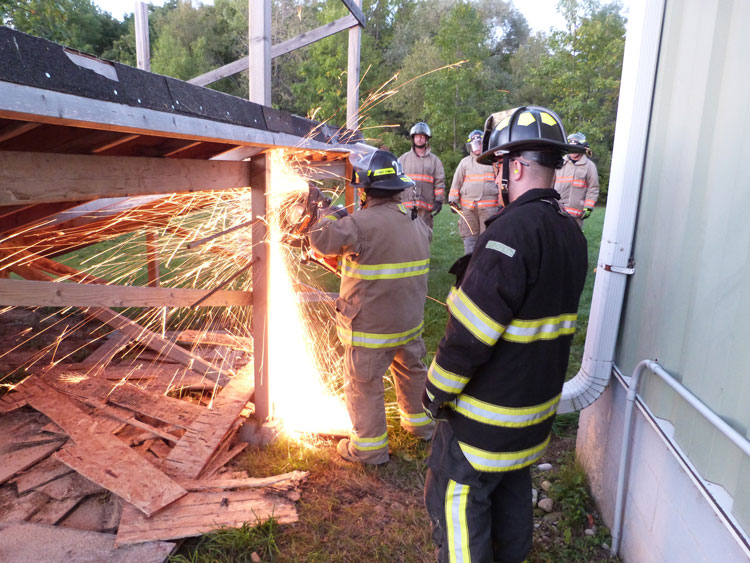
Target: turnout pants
(471, 225)
(476, 516)
(364, 369)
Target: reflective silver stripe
(457, 532)
(482, 460)
(476, 321)
(385, 271)
(445, 380)
(511, 417)
(540, 329)
(368, 444)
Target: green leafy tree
(78, 24)
(577, 73)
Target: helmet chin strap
(505, 180)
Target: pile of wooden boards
(104, 459)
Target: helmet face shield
(420, 128)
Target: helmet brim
(394, 184)
(490, 156)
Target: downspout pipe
(737, 439)
(628, 158)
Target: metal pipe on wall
(713, 418)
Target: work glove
(436, 207)
(334, 212)
(435, 411)
(586, 212)
(454, 207)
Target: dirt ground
(346, 512)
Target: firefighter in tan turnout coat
(385, 257)
(425, 198)
(474, 192)
(577, 182)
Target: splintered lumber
(222, 457)
(74, 381)
(21, 543)
(11, 402)
(212, 338)
(129, 476)
(96, 513)
(202, 512)
(71, 486)
(104, 354)
(99, 456)
(43, 472)
(23, 458)
(54, 510)
(18, 509)
(288, 479)
(197, 446)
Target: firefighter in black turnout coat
(498, 372)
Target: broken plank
(54, 510)
(99, 456)
(70, 486)
(123, 472)
(11, 402)
(202, 512)
(104, 354)
(166, 409)
(43, 472)
(195, 449)
(18, 460)
(291, 479)
(21, 543)
(212, 338)
(18, 509)
(220, 459)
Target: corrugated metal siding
(688, 305)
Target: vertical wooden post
(349, 191)
(142, 46)
(152, 258)
(352, 80)
(259, 51)
(259, 181)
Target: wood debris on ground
(115, 462)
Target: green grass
(233, 545)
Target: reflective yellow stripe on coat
(482, 460)
(476, 321)
(508, 417)
(548, 328)
(446, 380)
(385, 271)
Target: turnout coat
(499, 369)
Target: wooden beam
(24, 293)
(260, 273)
(277, 50)
(26, 215)
(16, 129)
(355, 8)
(259, 52)
(142, 47)
(27, 103)
(352, 75)
(43, 177)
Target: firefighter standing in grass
(498, 372)
(577, 181)
(474, 192)
(385, 256)
(425, 198)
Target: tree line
(447, 62)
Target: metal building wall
(688, 304)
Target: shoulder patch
(502, 248)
